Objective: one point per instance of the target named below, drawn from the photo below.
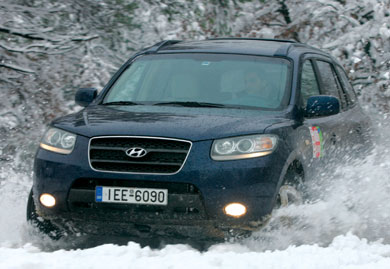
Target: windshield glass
(224, 79)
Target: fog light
(47, 200)
(235, 210)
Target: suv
(199, 139)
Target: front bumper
(197, 194)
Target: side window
(347, 85)
(309, 85)
(330, 82)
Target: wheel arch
(294, 163)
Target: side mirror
(85, 96)
(322, 105)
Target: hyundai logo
(136, 152)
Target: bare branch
(34, 36)
(26, 49)
(17, 68)
(283, 9)
(8, 81)
(20, 8)
(87, 38)
(12, 32)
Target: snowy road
(344, 252)
(346, 226)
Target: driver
(255, 85)
(257, 91)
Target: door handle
(333, 139)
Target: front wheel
(44, 226)
(292, 190)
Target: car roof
(252, 46)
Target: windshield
(217, 80)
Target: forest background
(49, 48)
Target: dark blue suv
(195, 139)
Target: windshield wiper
(190, 104)
(122, 103)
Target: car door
(358, 123)
(347, 122)
(324, 131)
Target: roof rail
(249, 38)
(283, 50)
(156, 47)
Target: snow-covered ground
(347, 225)
(346, 251)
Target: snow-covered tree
(49, 48)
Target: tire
(292, 189)
(44, 226)
(291, 192)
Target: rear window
(347, 85)
(238, 80)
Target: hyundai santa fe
(195, 139)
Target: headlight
(58, 141)
(243, 147)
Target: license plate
(145, 196)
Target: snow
(346, 251)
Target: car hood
(167, 121)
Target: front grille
(184, 202)
(164, 156)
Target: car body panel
(163, 121)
